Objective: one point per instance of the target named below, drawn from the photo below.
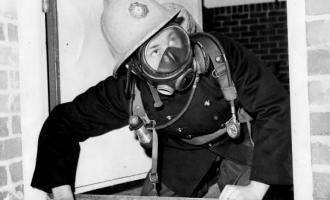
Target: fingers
(236, 195)
(226, 193)
(63, 192)
(235, 192)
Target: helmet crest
(138, 10)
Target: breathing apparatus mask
(167, 60)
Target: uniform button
(179, 130)
(207, 103)
(169, 117)
(209, 144)
(218, 59)
(222, 125)
(215, 117)
(189, 136)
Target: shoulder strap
(137, 106)
(221, 72)
(138, 110)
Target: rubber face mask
(167, 59)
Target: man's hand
(63, 192)
(254, 191)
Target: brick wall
(11, 176)
(318, 47)
(262, 28)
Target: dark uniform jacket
(105, 107)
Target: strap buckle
(233, 127)
(153, 177)
(219, 70)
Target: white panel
(300, 122)
(110, 159)
(84, 56)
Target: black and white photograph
(164, 99)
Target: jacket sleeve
(261, 94)
(100, 109)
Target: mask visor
(167, 51)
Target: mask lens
(168, 50)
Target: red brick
(249, 21)
(319, 92)
(240, 16)
(19, 188)
(268, 20)
(269, 57)
(230, 23)
(315, 7)
(318, 32)
(278, 50)
(277, 13)
(2, 33)
(16, 172)
(321, 183)
(258, 15)
(3, 80)
(3, 176)
(16, 125)
(319, 123)
(320, 153)
(258, 27)
(16, 104)
(3, 195)
(5, 55)
(319, 61)
(10, 148)
(14, 80)
(4, 127)
(239, 28)
(12, 32)
(4, 103)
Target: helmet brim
(123, 57)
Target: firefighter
(210, 111)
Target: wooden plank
(116, 197)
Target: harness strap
(243, 117)
(153, 175)
(220, 63)
(222, 73)
(200, 140)
(138, 109)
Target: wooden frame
(53, 55)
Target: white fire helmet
(184, 18)
(127, 24)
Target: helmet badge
(138, 10)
